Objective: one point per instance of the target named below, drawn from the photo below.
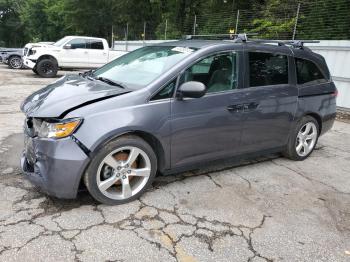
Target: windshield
(61, 41)
(140, 67)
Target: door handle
(250, 106)
(235, 108)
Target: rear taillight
(335, 94)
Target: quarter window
(165, 92)
(267, 69)
(308, 72)
(218, 72)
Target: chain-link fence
(298, 20)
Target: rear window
(308, 72)
(95, 44)
(267, 69)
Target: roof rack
(237, 37)
(244, 38)
(293, 43)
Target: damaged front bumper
(29, 63)
(54, 165)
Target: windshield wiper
(87, 73)
(110, 82)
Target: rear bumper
(56, 166)
(327, 123)
(28, 63)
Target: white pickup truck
(73, 52)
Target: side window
(267, 69)
(95, 44)
(203, 66)
(217, 72)
(77, 43)
(165, 92)
(308, 72)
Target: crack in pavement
(310, 179)
(134, 223)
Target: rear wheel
(303, 139)
(47, 68)
(15, 62)
(121, 171)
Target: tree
(47, 20)
(276, 20)
(11, 29)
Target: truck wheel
(303, 139)
(34, 70)
(15, 62)
(121, 171)
(46, 68)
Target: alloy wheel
(123, 173)
(47, 68)
(16, 62)
(306, 139)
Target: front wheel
(121, 171)
(15, 62)
(46, 68)
(303, 139)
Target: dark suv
(174, 106)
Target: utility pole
(166, 28)
(237, 19)
(296, 22)
(194, 24)
(126, 36)
(112, 39)
(144, 32)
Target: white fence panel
(337, 55)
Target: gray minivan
(171, 107)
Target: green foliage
(22, 21)
(11, 29)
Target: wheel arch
(51, 57)
(151, 139)
(317, 117)
(10, 56)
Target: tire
(296, 147)
(15, 62)
(108, 183)
(47, 68)
(34, 71)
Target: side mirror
(192, 89)
(67, 46)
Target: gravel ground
(268, 209)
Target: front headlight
(58, 129)
(31, 52)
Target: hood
(66, 94)
(39, 45)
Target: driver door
(77, 56)
(209, 127)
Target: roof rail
(293, 43)
(238, 37)
(244, 38)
